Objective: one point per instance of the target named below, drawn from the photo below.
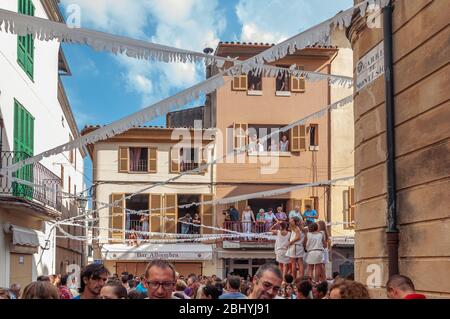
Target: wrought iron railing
(48, 194)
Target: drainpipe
(392, 232)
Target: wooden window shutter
(62, 176)
(123, 159)
(240, 83)
(298, 84)
(203, 160)
(207, 214)
(117, 217)
(298, 136)
(351, 209)
(152, 160)
(171, 214)
(299, 203)
(174, 160)
(240, 135)
(155, 203)
(307, 202)
(240, 206)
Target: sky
(105, 87)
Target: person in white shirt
(314, 244)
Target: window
(314, 137)
(275, 143)
(254, 82)
(298, 85)
(138, 159)
(25, 44)
(282, 81)
(69, 185)
(351, 209)
(240, 83)
(186, 159)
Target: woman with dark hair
(40, 290)
(281, 245)
(314, 245)
(113, 290)
(210, 292)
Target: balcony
(140, 166)
(249, 227)
(48, 195)
(188, 166)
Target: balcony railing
(188, 166)
(248, 227)
(140, 166)
(49, 194)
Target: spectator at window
(260, 220)
(197, 222)
(185, 223)
(284, 144)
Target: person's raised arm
(272, 230)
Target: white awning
(246, 254)
(146, 252)
(22, 236)
(344, 241)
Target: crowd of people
(247, 222)
(162, 281)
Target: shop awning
(22, 236)
(245, 254)
(343, 241)
(183, 252)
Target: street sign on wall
(370, 67)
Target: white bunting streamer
(46, 30)
(317, 34)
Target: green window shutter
(25, 46)
(24, 147)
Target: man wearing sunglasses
(160, 280)
(266, 282)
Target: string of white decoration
(246, 197)
(201, 167)
(225, 231)
(46, 30)
(316, 34)
(317, 114)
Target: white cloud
(276, 20)
(188, 24)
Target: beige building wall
(342, 139)
(110, 181)
(422, 130)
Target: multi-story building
(417, 242)
(36, 116)
(145, 157)
(250, 107)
